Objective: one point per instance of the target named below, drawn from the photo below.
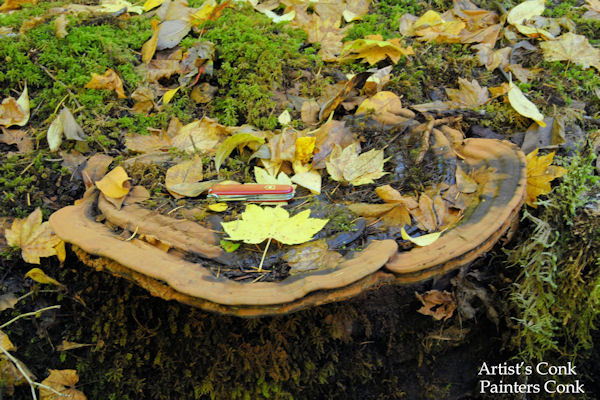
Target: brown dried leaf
(149, 47)
(33, 237)
(11, 376)
(327, 136)
(203, 135)
(348, 167)
(386, 108)
(185, 172)
(109, 81)
(440, 305)
(573, 48)
(311, 256)
(7, 300)
(18, 137)
(95, 169)
(63, 381)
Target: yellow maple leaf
(259, 224)
(33, 237)
(109, 81)
(374, 49)
(539, 175)
(115, 184)
(347, 166)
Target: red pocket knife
(251, 192)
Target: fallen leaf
(311, 256)
(169, 94)
(440, 305)
(176, 23)
(347, 166)
(149, 47)
(310, 112)
(63, 381)
(468, 94)
(10, 5)
(203, 13)
(327, 136)
(7, 301)
(137, 194)
(593, 10)
(15, 112)
(218, 207)
(309, 179)
(40, 277)
(95, 169)
(33, 237)
(18, 137)
(113, 6)
(60, 26)
(259, 224)
(374, 49)
(11, 375)
(115, 184)
(464, 182)
(539, 175)
(66, 345)
(390, 214)
(305, 145)
(523, 106)
(150, 4)
(109, 81)
(263, 176)
(239, 139)
(5, 342)
(391, 195)
(492, 58)
(421, 241)
(189, 171)
(385, 108)
(65, 124)
(573, 48)
(284, 118)
(203, 135)
(524, 11)
(192, 189)
(203, 93)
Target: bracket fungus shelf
(169, 275)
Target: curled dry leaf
(189, 171)
(348, 167)
(440, 305)
(15, 112)
(65, 124)
(33, 237)
(239, 139)
(115, 184)
(390, 214)
(63, 381)
(40, 277)
(386, 108)
(109, 81)
(259, 224)
(539, 175)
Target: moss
(556, 297)
(254, 57)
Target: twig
(27, 315)
(262, 260)
(56, 80)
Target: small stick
(262, 260)
(27, 315)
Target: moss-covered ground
(373, 347)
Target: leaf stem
(27, 315)
(262, 260)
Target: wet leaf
(573, 48)
(5, 343)
(239, 139)
(259, 224)
(421, 241)
(40, 277)
(63, 381)
(374, 49)
(523, 106)
(385, 108)
(311, 256)
(539, 175)
(115, 184)
(109, 81)
(348, 167)
(7, 301)
(189, 171)
(65, 124)
(440, 305)
(15, 112)
(218, 207)
(66, 345)
(33, 237)
(464, 182)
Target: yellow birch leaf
(150, 4)
(524, 11)
(523, 106)
(40, 277)
(217, 207)
(421, 241)
(168, 96)
(115, 184)
(109, 81)
(305, 145)
(539, 175)
(259, 224)
(149, 47)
